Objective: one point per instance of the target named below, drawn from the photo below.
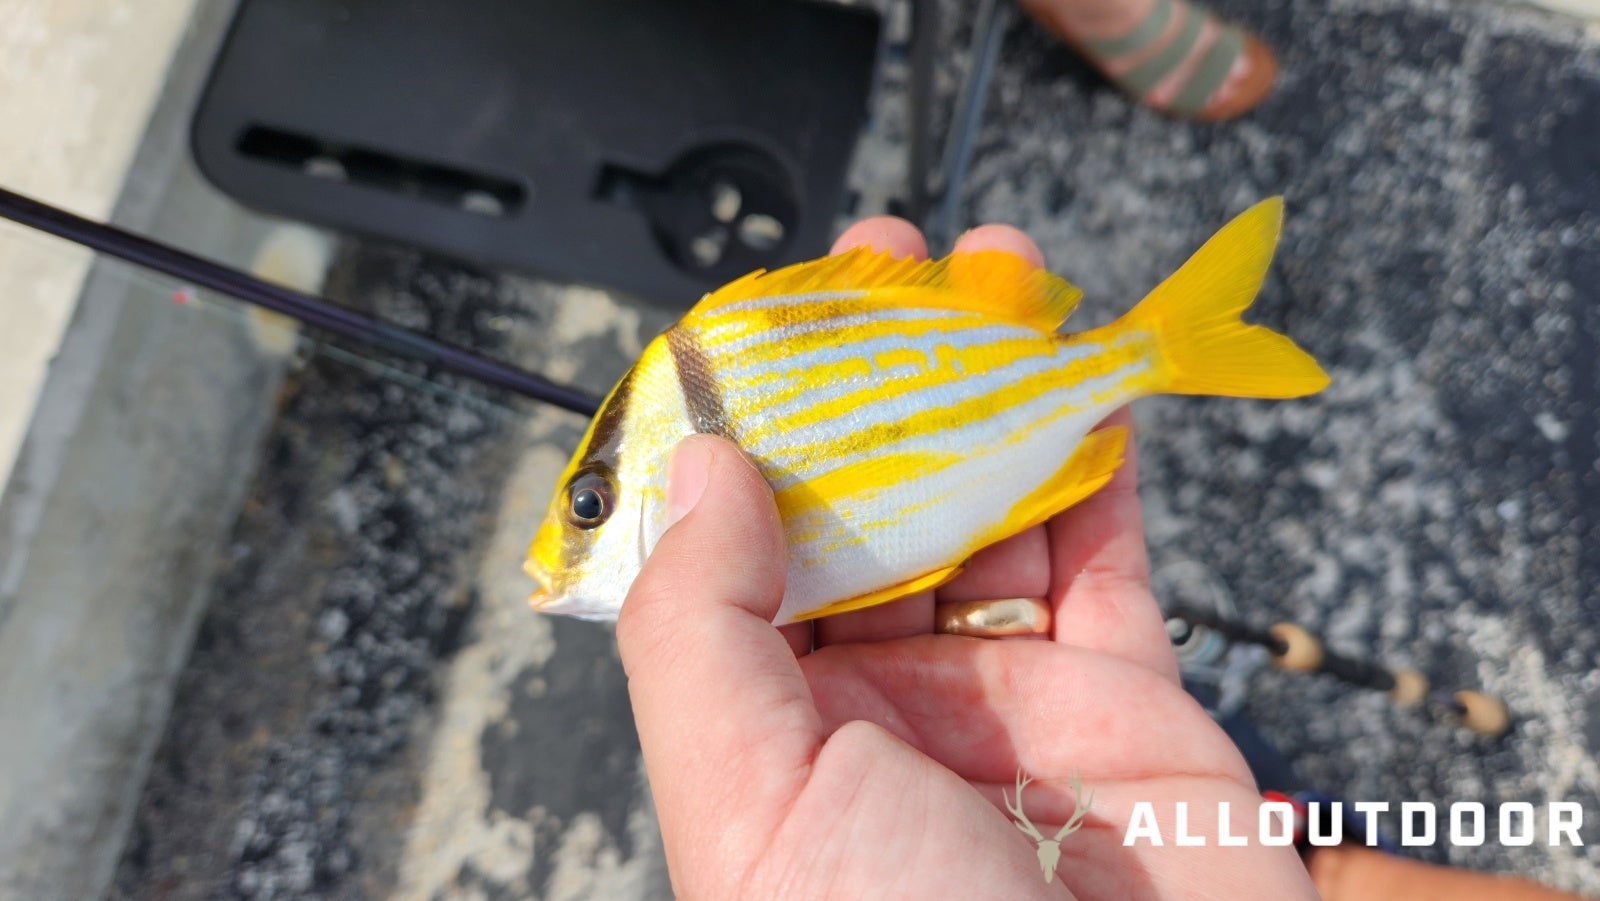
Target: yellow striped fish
(905, 413)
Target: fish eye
(589, 500)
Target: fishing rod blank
(1296, 650)
(308, 309)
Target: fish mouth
(544, 595)
(549, 598)
(575, 606)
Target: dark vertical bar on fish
(700, 391)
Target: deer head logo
(1049, 848)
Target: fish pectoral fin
(925, 582)
(1089, 468)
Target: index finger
(890, 233)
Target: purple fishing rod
(311, 310)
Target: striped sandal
(1156, 50)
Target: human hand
(875, 764)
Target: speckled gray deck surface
(1437, 506)
(371, 712)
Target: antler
(1080, 809)
(1022, 821)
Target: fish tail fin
(1194, 315)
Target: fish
(905, 413)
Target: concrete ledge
(132, 470)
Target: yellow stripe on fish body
(906, 467)
(909, 413)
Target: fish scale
(906, 414)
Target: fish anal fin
(925, 582)
(992, 283)
(1089, 468)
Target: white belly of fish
(921, 522)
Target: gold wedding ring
(1001, 618)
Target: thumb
(722, 708)
(723, 545)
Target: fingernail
(687, 475)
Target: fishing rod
(1291, 647)
(311, 310)
(1294, 649)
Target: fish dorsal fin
(990, 282)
